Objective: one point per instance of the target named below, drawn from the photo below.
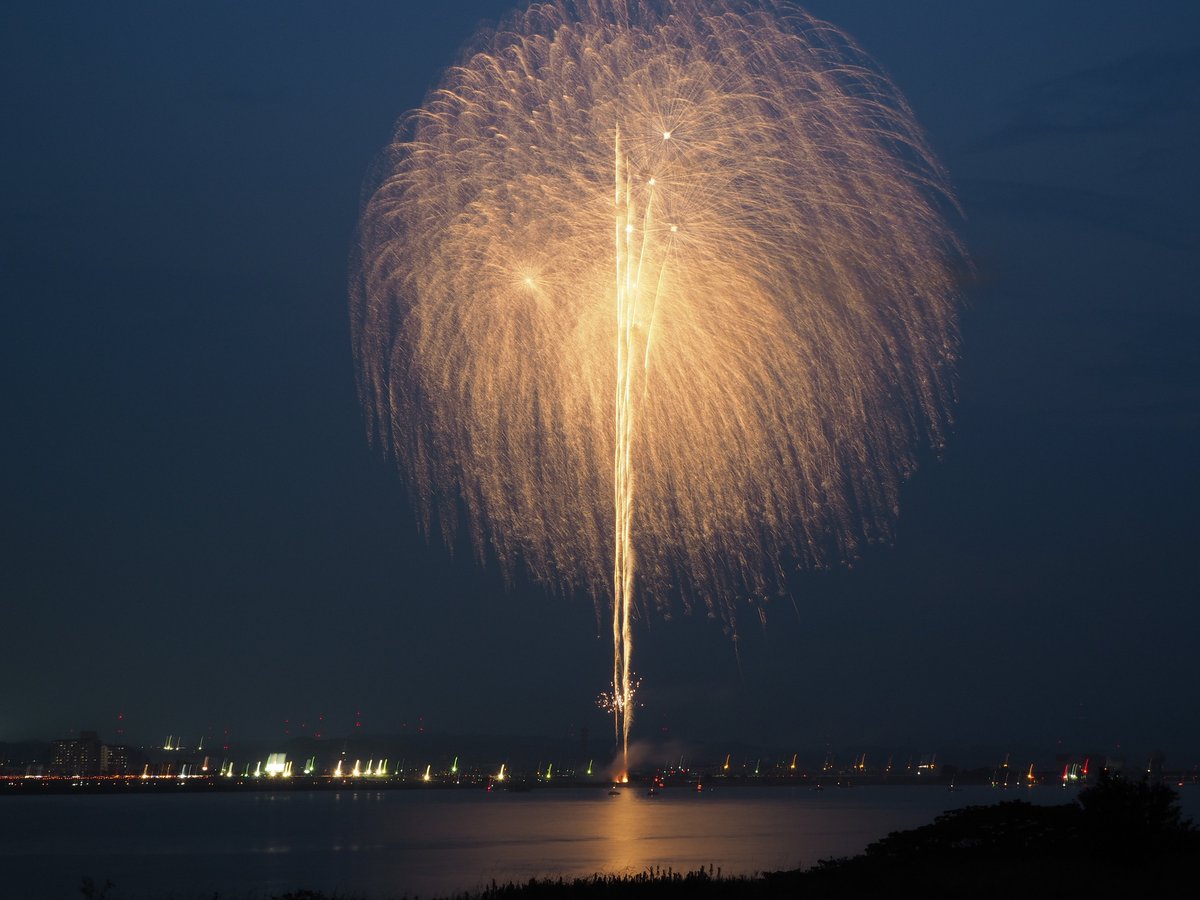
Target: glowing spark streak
(623, 474)
(632, 347)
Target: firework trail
(658, 292)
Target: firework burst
(658, 297)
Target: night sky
(197, 534)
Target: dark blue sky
(197, 534)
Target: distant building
(79, 756)
(87, 756)
(114, 759)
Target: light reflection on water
(388, 843)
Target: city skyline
(422, 757)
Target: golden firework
(658, 291)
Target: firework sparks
(658, 295)
(614, 702)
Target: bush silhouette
(1133, 817)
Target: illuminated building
(79, 756)
(86, 755)
(114, 759)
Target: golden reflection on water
(638, 832)
(622, 829)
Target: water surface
(384, 844)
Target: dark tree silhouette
(1133, 817)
